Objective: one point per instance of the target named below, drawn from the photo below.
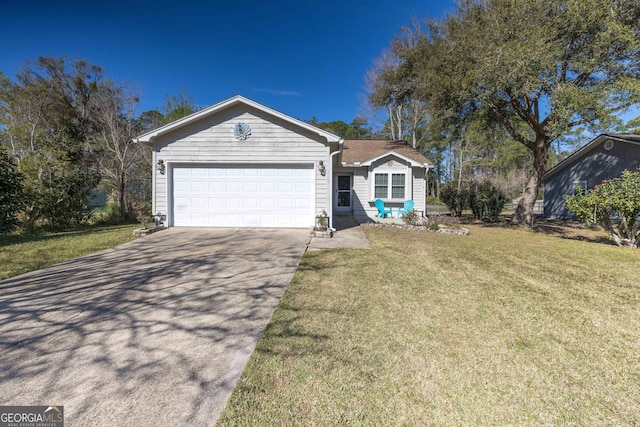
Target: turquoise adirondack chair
(382, 211)
(408, 207)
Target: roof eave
(413, 162)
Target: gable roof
(235, 100)
(364, 152)
(597, 141)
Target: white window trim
(408, 181)
(581, 183)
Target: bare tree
(118, 157)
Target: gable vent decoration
(241, 131)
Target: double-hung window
(389, 186)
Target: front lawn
(501, 327)
(20, 254)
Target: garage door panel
(303, 204)
(233, 203)
(251, 186)
(266, 203)
(201, 186)
(252, 203)
(268, 186)
(286, 187)
(235, 196)
(199, 171)
(286, 203)
(216, 186)
(216, 202)
(233, 186)
(199, 202)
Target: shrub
(614, 205)
(455, 200)
(322, 221)
(142, 210)
(10, 193)
(107, 214)
(412, 218)
(486, 201)
(56, 187)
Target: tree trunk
(524, 212)
(121, 190)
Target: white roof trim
(149, 136)
(414, 163)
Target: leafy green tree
(56, 187)
(149, 120)
(390, 95)
(10, 192)
(47, 119)
(614, 205)
(358, 129)
(542, 66)
(177, 106)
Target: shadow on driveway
(154, 332)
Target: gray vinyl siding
(592, 168)
(211, 141)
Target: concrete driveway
(153, 333)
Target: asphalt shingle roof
(359, 151)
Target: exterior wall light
(321, 168)
(160, 167)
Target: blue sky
(303, 58)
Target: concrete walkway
(153, 333)
(348, 235)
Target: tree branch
(507, 125)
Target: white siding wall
(419, 189)
(361, 196)
(211, 140)
(363, 206)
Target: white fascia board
(412, 162)
(149, 136)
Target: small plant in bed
(436, 222)
(412, 218)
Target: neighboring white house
(241, 164)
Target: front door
(343, 194)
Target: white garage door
(241, 196)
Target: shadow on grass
(564, 229)
(41, 236)
(568, 230)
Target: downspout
(331, 184)
(426, 180)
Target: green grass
(23, 253)
(501, 327)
